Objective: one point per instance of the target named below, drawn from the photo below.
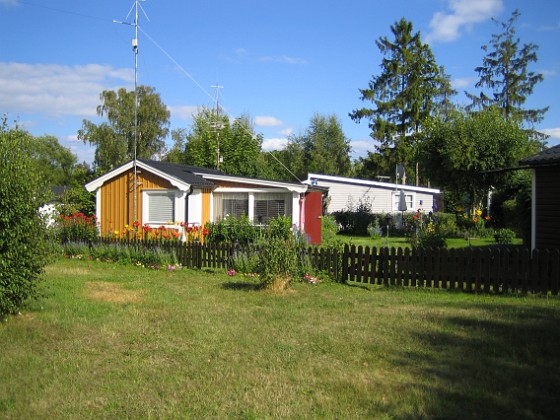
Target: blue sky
(278, 62)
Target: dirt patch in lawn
(113, 292)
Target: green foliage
(423, 231)
(505, 72)
(279, 227)
(239, 147)
(355, 219)
(374, 230)
(76, 228)
(322, 148)
(115, 139)
(447, 224)
(504, 236)
(329, 229)
(233, 229)
(140, 255)
(410, 88)
(22, 233)
(462, 154)
(76, 200)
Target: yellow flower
(479, 212)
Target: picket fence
(473, 269)
(487, 270)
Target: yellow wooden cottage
(153, 193)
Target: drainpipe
(189, 192)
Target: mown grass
(113, 341)
(402, 242)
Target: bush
(504, 236)
(22, 231)
(373, 230)
(423, 231)
(329, 228)
(356, 219)
(282, 259)
(233, 229)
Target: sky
(279, 62)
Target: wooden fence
(488, 270)
(473, 269)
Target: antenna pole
(135, 49)
(217, 125)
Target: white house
(383, 197)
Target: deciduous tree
(120, 139)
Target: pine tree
(505, 72)
(410, 88)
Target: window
(230, 204)
(408, 198)
(268, 209)
(160, 206)
(271, 205)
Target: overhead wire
(169, 56)
(186, 73)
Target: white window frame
(146, 198)
(396, 196)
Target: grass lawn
(113, 341)
(395, 241)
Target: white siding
(195, 207)
(380, 198)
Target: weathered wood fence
(488, 270)
(473, 269)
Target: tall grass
(114, 341)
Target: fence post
(345, 263)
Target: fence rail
(487, 270)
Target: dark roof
(183, 172)
(550, 156)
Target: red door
(313, 209)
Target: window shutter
(161, 208)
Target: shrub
(504, 236)
(76, 228)
(23, 247)
(373, 229)
(282, 259)
(329, 228)
(233, 229)
(423, 231)
(355, 219)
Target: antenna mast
(135, 7)
(135, 50)
(217, 125)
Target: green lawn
(113, 341)
(397, 242)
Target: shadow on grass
(506, 367)
(241, 285)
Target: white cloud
(269, 145)
(463, 82)
(284, 59)
(183, 112)
(446, 27)
(548, 73)
(554, 133)
(57, 90)
(264, 121)
(287, 131)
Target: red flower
(205, 231)
(136, 224)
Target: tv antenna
(217, 125)
(135, 7)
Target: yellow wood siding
(117, 199)
(206, 197)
